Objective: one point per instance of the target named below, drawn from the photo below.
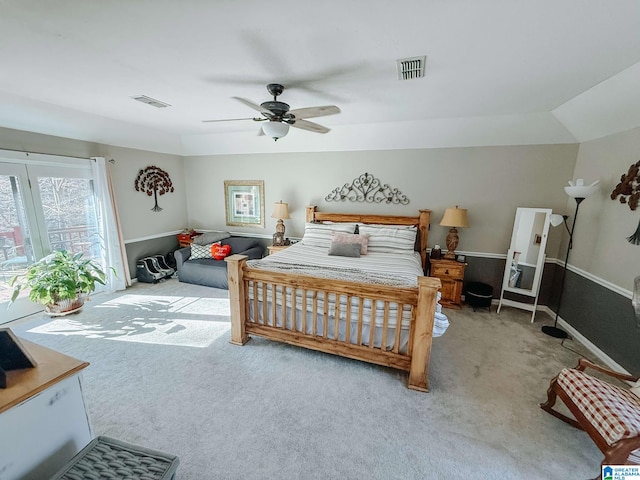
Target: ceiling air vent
(409, 68)
(150, 101)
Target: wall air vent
(150, 101)
(409, 68)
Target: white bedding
(378, 268)
(381, 268)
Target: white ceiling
(499, 72)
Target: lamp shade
(578, 189)
(455, 217)
(556, 219)
(275, 129)
(280, 210)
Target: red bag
(219, 252)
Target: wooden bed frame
(421, 300)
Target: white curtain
(114, 252)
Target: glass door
(43, 208)
(67, 212)
(20, 243)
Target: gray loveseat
(208, 271)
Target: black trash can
(479, 295)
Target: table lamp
(454, 218)
(280, 211)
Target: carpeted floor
(164, 375)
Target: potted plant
(60, 281)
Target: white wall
(600, 246)
(491, 182)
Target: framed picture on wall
(244, 202)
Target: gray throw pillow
(344, 249)
(210, 237)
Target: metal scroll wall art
(153, 181)
(628, 191)
(367, 188)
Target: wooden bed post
(422, 336)
(423, 227)
(310, 213)
(235, 263)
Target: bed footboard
(385, 325)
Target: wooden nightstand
(274, 249)
(451, 274)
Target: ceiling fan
(278, 117)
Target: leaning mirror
(525, 258)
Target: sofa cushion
(240, 244)
(205, 271)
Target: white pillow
(320, 234)
(384, 239)
(202, 251)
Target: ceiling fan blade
(255, 106)
(312, 127)
(312, 112)
(231, 120)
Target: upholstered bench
(609, 414)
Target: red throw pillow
(219, 252)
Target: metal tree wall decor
(367, 188)
(628, 191)
(154, 181)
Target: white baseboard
(603, 357)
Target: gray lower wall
(145, 248)
(604, 317)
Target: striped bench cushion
(613, 411)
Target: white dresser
(43, 418)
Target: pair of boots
(152, 269)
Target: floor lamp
(578, 191)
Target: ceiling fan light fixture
(275, 129)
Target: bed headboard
(421, 221)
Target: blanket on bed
(347, 274)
